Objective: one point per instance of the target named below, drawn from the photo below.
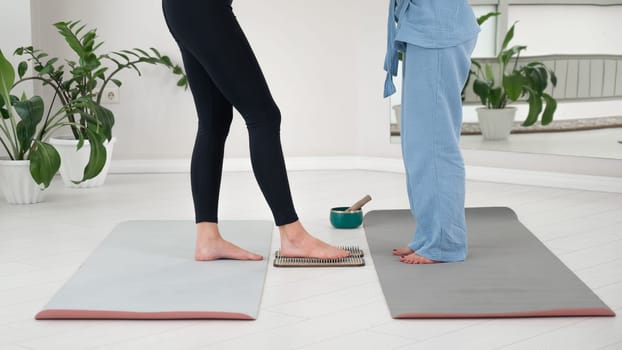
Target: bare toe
(402, 251)
(413, 258)
(254, 257)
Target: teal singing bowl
(339, 218)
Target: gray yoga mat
(146, 270)
(508, 272)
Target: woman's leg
(432, 119)
(215, 115)
(209, 32)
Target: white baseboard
(243, 164)
(473, 173)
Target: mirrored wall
(582, 42)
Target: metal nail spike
(354, 259)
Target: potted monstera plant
(25, 128)
(508, 82)
(85, 77)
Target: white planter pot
(73, 162)
(17, 184)
(496, 124)
(398, 116)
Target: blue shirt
(426, 23)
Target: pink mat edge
(128, 315)
(545, 313)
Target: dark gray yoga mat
(146, 270)
(508, 272)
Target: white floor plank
(583, 240)
(420, 330)
(613, 346)
(364, 340)
(313, 330)
(493, 334)
(81, 335)
(341, 279)
(30, 330)
(602, 275)
(331, 302)
(611, 295)
(202, 333)
(16, 313)
(593, 256)
(30, 292)
(13, 347)
(587, 334)
(15, 268)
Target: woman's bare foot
(211, 246)
(413, 258)
(402, 251)
(297, 242)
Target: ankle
(208, 231)
(293, 231)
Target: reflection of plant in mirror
(480, 20)
(511, 82)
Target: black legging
(223, 72)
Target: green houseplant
(508, 82)
(25, 128)
(85, 78)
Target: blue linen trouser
(431, 121)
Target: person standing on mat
(224, 73)
(436, 38)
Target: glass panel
(582, 29)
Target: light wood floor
(41, 246)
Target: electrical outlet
(111, 96)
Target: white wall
(305, 50)
(322, 59)
(568, 29)
(15, 31)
